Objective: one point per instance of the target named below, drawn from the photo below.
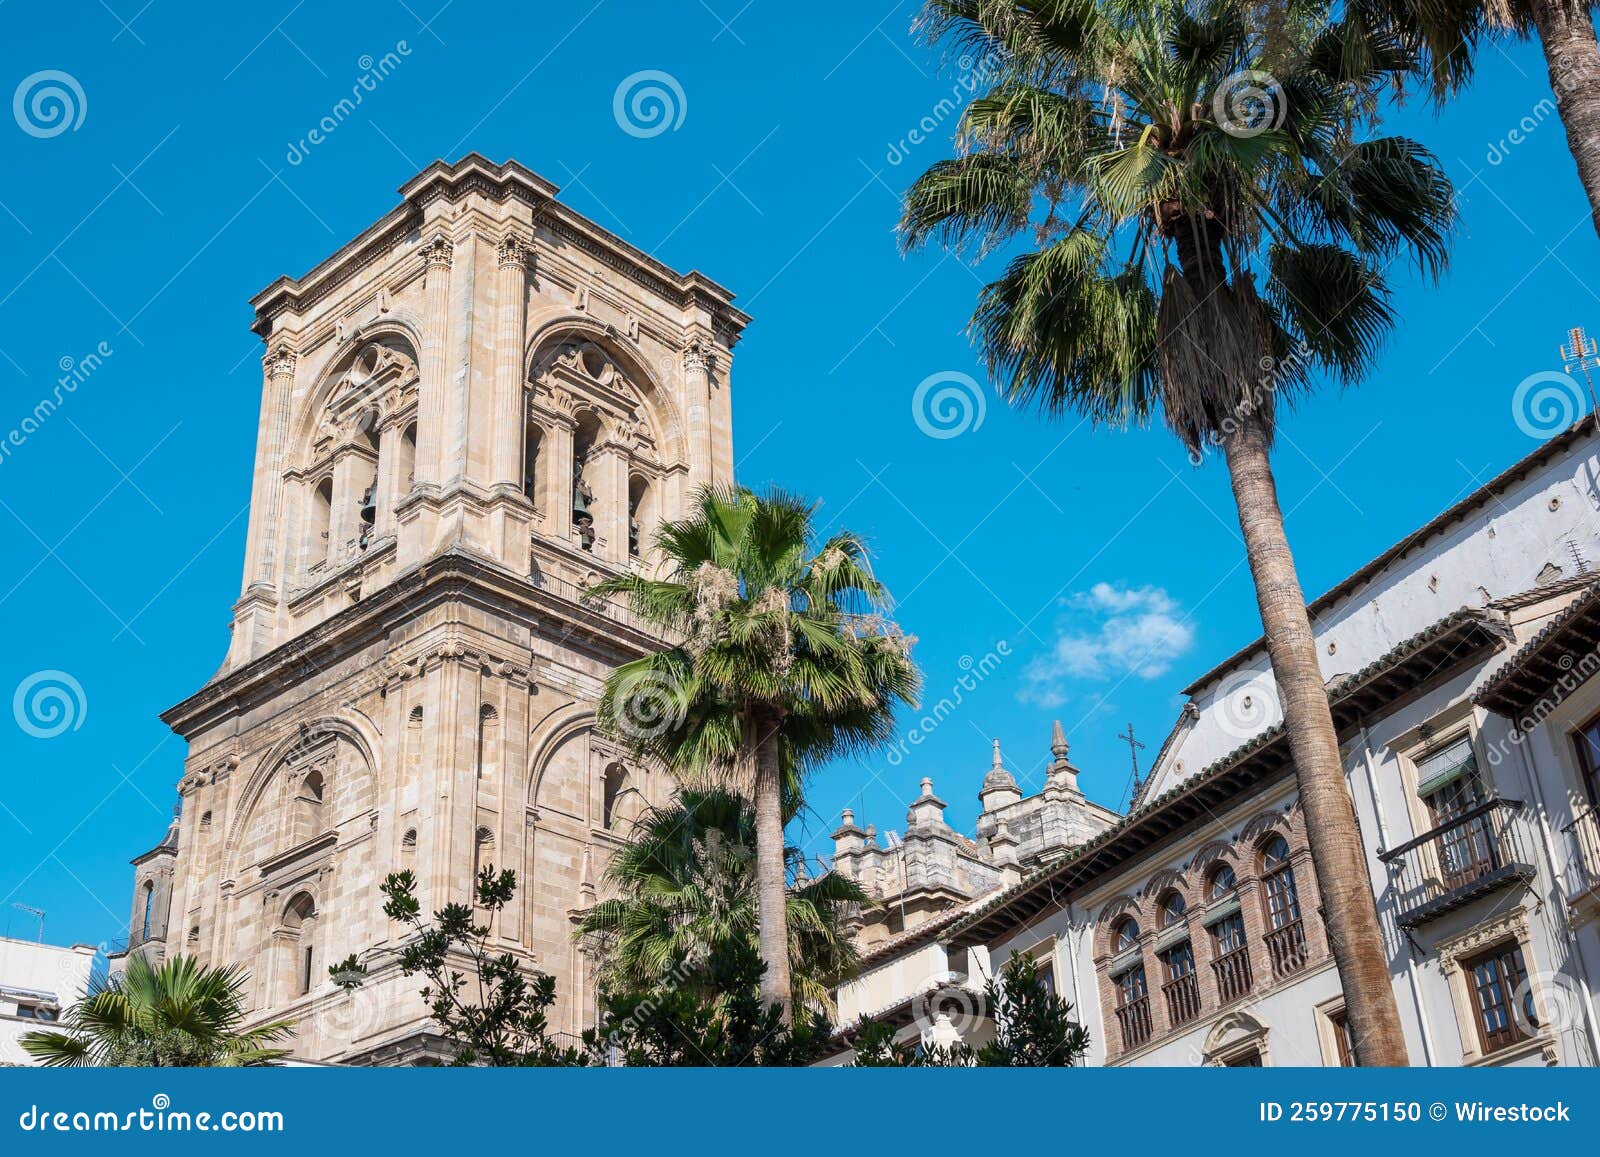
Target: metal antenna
(1134, 747)
(35, 912)
(1577, 555)
(1580, 354)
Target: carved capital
(696, 357)
(280, 362)
(439, 252)
(515, 252)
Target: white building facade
(39, 984)
(1460, 669)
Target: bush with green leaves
(493, 1008)
(490, 1006)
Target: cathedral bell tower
(470, 413)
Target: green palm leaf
(176, 1014)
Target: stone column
(345, 525)
(302, 546)
(449, 858)
(697, 411)
(267, 526)
(388, 479)
(509, 414)
(610, 481)
(434, 386)
(557, 457)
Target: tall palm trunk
(772, 911)
(1336, 849)
(1573, 56)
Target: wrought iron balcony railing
(1479, 851)
(1581, 876)
(1232, 971)
(1183, 999)
(1286, 947)
(1134, 1019)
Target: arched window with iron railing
(1286, 940)
(1132, 991)
(1179, 985)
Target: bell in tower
(368, 513)
(582, 502)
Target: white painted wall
(1494, 552)
(33, 973)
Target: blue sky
(1101, 569)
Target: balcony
(1183, 999)
(1286, 947)
(1478, 852)
(1134, 1020)
(1580, 879)
(1232, 970)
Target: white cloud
(1110, 632)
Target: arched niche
(310, 785)
(354, 445)
(371, 382)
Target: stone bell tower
(471, 412)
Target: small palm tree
(1205, 237)
(786, 660)
(686, 888)
(180, 1014)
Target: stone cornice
(452, 576)
(1512, 924)
(475, 174)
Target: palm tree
(686, 889)
(1205, 238)
(180, 1014)
(1447, 33)
(786, 660)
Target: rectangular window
(1448, 780)
(1283, 898)
(1229, 934)
(1181, 989)
(1498, 981)
(1341, 1038)
(1588, 743)
(1179, 961)
(1130, 987)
